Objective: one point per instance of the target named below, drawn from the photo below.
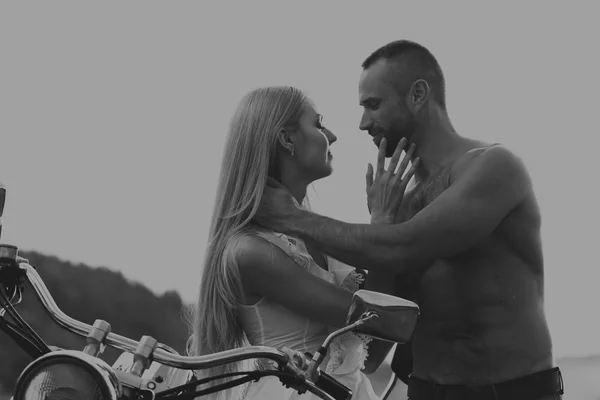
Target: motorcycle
(147, 369)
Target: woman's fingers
(393, 161)
(381, 157)
(396, 156)
(411, 171)
(407, 157)
(369, 176)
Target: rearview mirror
(395, 321)
(375, 314)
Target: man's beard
(405, 129)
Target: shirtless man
(463, 241)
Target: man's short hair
(423, 64)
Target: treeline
(87, 294)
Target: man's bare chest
(422, 193)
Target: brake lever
(324, 386)
(314, 389)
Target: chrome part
(167, 348)
(8, 253)
(125, 344)
(396, 317)
(142, 355)
(162, 376)
(62, 371)
(95, 339)
(296, 358)
(122, 367)
(362, 320)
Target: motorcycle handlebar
(325, 387)
(163, 354)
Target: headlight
(68, 375)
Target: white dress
(269, 324)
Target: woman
(264, 288)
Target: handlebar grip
(332, 387)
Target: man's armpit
(406, 286)
(382, 282)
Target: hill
(87, 294)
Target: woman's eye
(320, 123)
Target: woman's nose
(330, 136)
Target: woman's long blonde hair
(249, 158)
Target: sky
(113, 117)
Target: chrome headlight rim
(103, 374)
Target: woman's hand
(386, 190)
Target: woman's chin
(322, 172)
(328, 170)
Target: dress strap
(292, 246)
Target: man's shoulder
(489, 159)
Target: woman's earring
(292, 151)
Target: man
(463, 241)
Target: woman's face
(312, 145)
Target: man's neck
(436, 141)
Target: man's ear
(419, 93)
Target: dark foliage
(87, 294)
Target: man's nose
(365, 122)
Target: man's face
(384, 108)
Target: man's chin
(393, 144)
(390, 149)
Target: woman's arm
(268, 271)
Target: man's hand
(386, 190)
(276, 206)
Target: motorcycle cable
(9, 307)
(25, 343)
(21, 334)
(247, 376)
(20, 327)
(13, 277)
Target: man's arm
(479, 198)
